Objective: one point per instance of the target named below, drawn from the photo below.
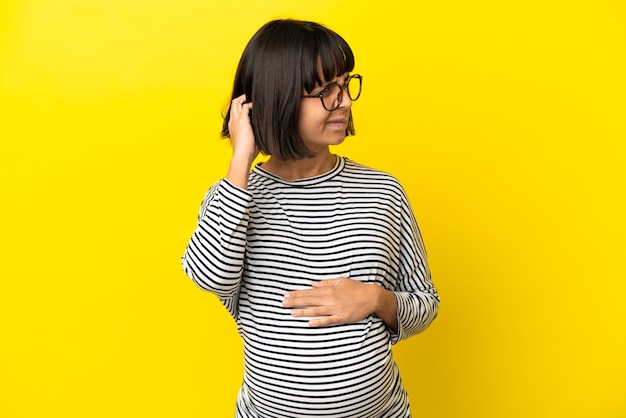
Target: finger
(237, 102)
(311, 311)
(307, 300)
(324, 283)
(290, 297)
(239, 99)
(325, 321)
(245, 108)
(242, 112)
(316, 291)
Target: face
(320, 128)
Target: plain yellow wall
(505, 121)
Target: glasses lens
(331, 96)
(354, 88)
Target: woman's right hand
(240, 129)
(242, 142)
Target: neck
(300, 169)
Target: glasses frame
(342, 87)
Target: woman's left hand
(335, 301)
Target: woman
(318, 259)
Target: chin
(339, 140)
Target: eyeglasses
(332, 93)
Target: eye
(326, 91)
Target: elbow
(435, 307)
(431, 308)
(223, 283)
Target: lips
(338, 122)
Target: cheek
(310, 121)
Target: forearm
(215, 254)
(386, 308)
(239, 170)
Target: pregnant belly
(340, 371)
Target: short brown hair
(280, 62)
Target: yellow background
(505, 121)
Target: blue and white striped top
(252, 246)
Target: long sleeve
(214, 256)
(253, 246)
(416, 297)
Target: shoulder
(357, 171)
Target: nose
(344, 97)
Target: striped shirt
(252, 246)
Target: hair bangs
(329, 57)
